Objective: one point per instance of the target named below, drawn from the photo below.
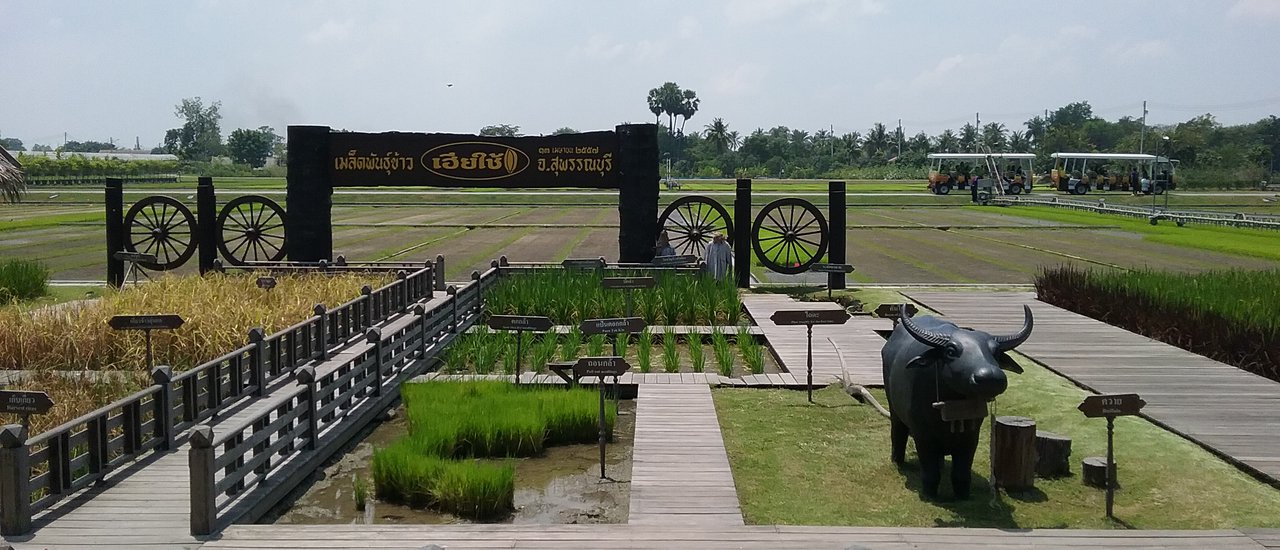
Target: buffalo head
(969, 362)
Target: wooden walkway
(1227, 410)
(857, 340)
(751, 537)
(147, 504)
(680, 471)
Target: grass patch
(22, 280)
(455, 426)
(799, 464)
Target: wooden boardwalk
(673, 537)
(680, 471)
(1227, 410)
(147, 504)
(857, 341)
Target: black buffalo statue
(929, 360)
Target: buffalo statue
(929, 362)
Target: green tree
(877, 141)
(718, 135)
(563, 130)
(86, 147)
(251, 147)
(688, 106)
(993, 136)
(947, 142)
(670, 99)
(12, 144)
(968, 138)
(1018, 142)
(200, 137)
(40, 147)
(500, 130)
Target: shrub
(22, 280)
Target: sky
(115, 70)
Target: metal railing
(229, 461)
(1231, 219)
(35, 473)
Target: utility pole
(1142, 140)
(977, 121)
(899, 138)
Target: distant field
(891, 239)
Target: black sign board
(1123, 404)
(810, 317)
(266, 283)
(964, 409)
(145, 322)
(135, 257)
(616, 325)
(456, 160)
(583, 263)
(894, 311)
(24, 402)
(519, 322)
(600, 366)
(831, 268)
(629, 282)
(674, 261)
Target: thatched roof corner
(11, 183)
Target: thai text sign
(894, 311)
(600, 366)
(629, 282)
(145, 322)
(459, 160)
(810, 317)
(615, 325)
(674, 261)
(1119, 404)
(831, 268)
(519, 322)
(24, 402)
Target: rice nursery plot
(570, 298)
(462, 435)
(734, 354)
(55, 345)
(1229, 316)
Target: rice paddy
(569, 300)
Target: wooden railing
(228, 462)
(36, 473)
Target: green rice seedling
(620, 344)
(360, 489)
(709, 303)
(695, 352)
(671, 299)
(402, 475)
(723, 353)
(476, 490)
(544, 351)
(569, 351)
(648, 301)
(752, 353)
(22, 280)
(643, 350)
(670, 353)
(488, 349)
(595, 345)
(509, 354)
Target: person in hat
(719, 257)
(663, 246)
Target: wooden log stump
(1094, 472)
(1013, 453)
(1053, 454)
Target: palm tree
(1035, 130)
(850, 145)
(688, 106)
(918, 144)
(968, 137)
(1018, 142)
(718, 135)
(655, 104)
(11, 184)
(735, 140)
(877, 141)
(993, 136)
(947, 142)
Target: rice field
(570, 298)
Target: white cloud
(749, 12)
(603, 48)
(330, 31)
(940, 73)
(1255, 9)
(740, 80)
(1137, 52)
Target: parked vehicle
(1078, 173)
(949, 171)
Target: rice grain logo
(475, 161)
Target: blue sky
(100, 70)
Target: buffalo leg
(962, 468)
(931, 459)
(898, 433)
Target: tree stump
(1013, 453)
(1053, 455)
(1094, 472)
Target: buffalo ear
(1007, 363)
(926, 359)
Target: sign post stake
(808, 318)
(809, 359)
(1111, 467)
(628, 294)
(147, 333)
(601, 426)
(519, 341)
(520, 324)
(1110, 406)
(600, 368)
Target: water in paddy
(561, 486)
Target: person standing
(663, 246)
(1134, 183)
(719, 257)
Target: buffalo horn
(924, 336)
(1006, 343)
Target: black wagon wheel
(789, 235)
(163, 227)
(691, 221)
(251, 229)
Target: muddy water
(561, 486)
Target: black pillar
(114, 200)
(206, 224)
(308, 228)
(835, 217)
(637, 192)
(742, 233)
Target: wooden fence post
(403, 302)
(307, 377)
(452, 291)
(421, 311)
(426, 283)
(374, 336)
(322, 338)
(15, 481)
(367, 292)
(437, 271)
(475, 277)
(163, 414)
(200, 460)
(258, 361)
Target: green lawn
(828, 464)
(1258, 243)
